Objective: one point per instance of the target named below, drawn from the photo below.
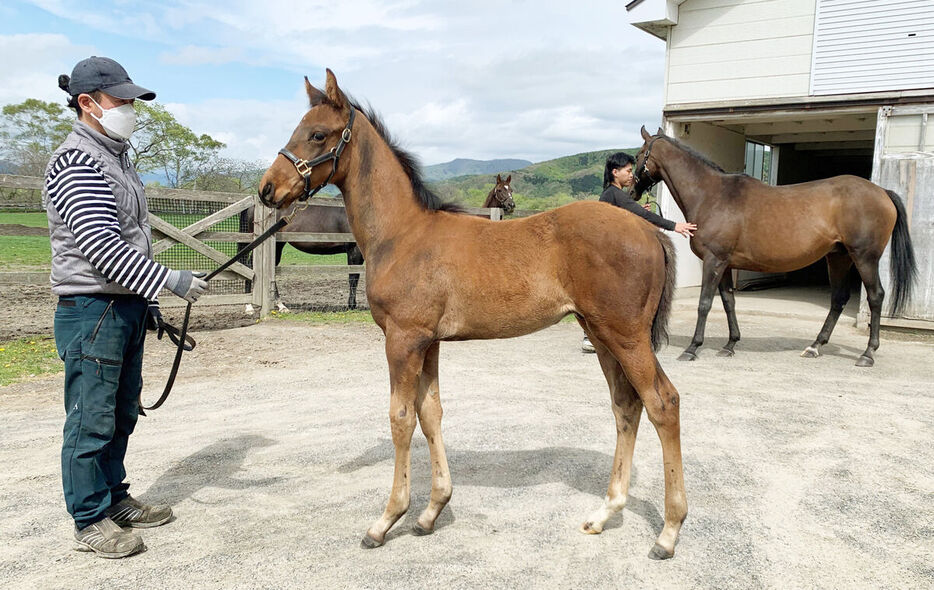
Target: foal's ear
(499, 179)
(334, 93)
(645, 134)
(659, 132)
(314, 95)
(508, 178)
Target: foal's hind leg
(627, 408)
(838, 267)
(428, 406)
(729, 306)
(661, 402)
(406, 356)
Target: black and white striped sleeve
(80, 193)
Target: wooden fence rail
(195, 235)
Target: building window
(759, 161)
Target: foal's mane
(425, 197)
(704, 159)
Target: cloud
(477, 78)
(40, 58)
(190, 55)
(252, 129)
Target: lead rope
(182, 334)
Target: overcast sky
(470, 79)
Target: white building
(796, 90)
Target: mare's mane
(425, 197)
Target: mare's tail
(902, 258)
(660, 322)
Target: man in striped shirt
(107, 282)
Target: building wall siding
(871, 45)
(725, 50)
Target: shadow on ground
(580, 469)
(216, 465)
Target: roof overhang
(654, 16)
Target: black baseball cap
(106, 75)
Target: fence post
(496, 214)
(264, 258)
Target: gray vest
(72, 274)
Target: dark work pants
(100, 338)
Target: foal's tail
(660, 322)
(902, 259)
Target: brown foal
(744, 223)
(428, 280)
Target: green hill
(464, 166)
(540, 186)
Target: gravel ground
(275, 452)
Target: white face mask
(118, 122)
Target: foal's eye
(317, 136)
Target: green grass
(356, 316)
(28, 357)
(294, 257)
(36, 219)
(25, 253)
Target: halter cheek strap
(640, 169)
(304, 167)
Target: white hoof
(248, 310)
(282, 308)
(811, 352)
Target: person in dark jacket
(617, 178)
(107, 282)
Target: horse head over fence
(501, 195)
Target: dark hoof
(865, 361)
(726, 352)
(369, 542)
(687, 356)
(421, 531)
(811, 352)
(658, 552)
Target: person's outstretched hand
(685, 229)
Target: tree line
(31, 130)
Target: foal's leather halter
(304, 167)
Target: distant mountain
(538, 186)
(464, 166)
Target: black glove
(154, 317)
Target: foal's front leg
(406, 355)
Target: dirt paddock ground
(275, 452)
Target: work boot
(587, 345)
(108, 540)
(132, 513)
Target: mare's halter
(505, 199)
(640, 170)
(304, 167)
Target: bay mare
(429, 279)
(501, 195)
(313, 219)
(746, 224)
